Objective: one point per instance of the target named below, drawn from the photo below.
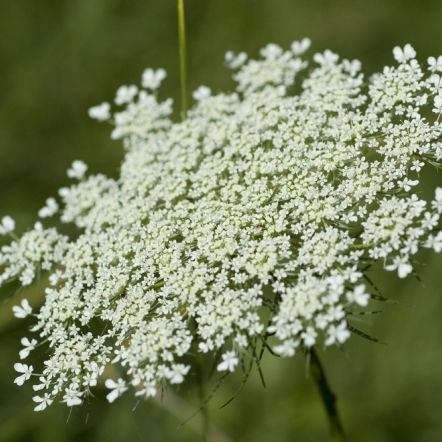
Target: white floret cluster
(250, 223)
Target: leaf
(364, 335)
(242, 385)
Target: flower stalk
(327, 396)
(202, 394)
(182, 54)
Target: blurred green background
(59, 57)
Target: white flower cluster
(251, 222)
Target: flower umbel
(263, 203)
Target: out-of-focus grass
(57, 58)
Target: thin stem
(202, 396)
(327, 396)
(182, 51)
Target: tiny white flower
(321, 321)
(309, 336)
(100, 112)
(26, 371)
(64, 192)
(437, 104)
(421, 101)
(90, 379)
(402, 266)
(118, 388)
(229, 362)
(125, 94)
(352, 274)
(22, 310)
(152, 79)
(50, 209)
(352, 67)
(45, 383)
(201, 93)
(359, 295)
(287, 348)
(204, 347)
(436, 81)
(271, 51)
(437, 202)
(77, 170)
(234, 61)
(149, 390)
(435, 64)
(241, 340)
(327, 58)
(338, 333)
(177, 372)
(29, 346)
(417, 165)
(429, 221)
(299, 47)
(43, 402)
(7, 225)
(404, 54)
(72, 397)
(435, 242)
(407, 184)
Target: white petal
(404, 269)
(222, 366)
(112, 395)
(24, 353)
(40, 407)
(21, 368)
(25, 342)
(409, 51)
(72, 401)
(20, 380)
(110, 383)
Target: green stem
(199, 371)
(328, 398)
(182, 51)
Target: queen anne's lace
(252, 220)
